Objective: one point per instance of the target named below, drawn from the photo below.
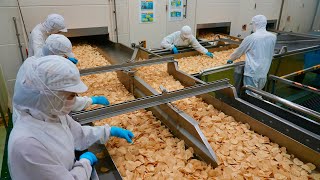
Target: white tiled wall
(10, 58)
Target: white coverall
(259, 50)
(176, 39)
(81, 102)
(53, 24)
(44, 150)
(43, 140)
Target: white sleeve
(31, 160)
(37, 44)
(197, 46)
(81, 103)
(243, 48)
(85, 136)
(167, 42)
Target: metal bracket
(284, 49)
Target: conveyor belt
(260, 127)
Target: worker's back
(259, 53)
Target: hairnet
(57, 44)
(186, 32)
(55, 23)
(45, 86)
(259, 22)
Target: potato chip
(104, 169)
(100, 155)
(297, 162)
(311, 166)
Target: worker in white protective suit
(52, 25)
(183, 38)
(44, 138)
(57, 44)
(259, 49)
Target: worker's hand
(90, 156)
(74, 60)
(175, 50)
(209, 54)
(229, 61)
(121, 133)
(100, 100)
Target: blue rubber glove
(122, 133)
(229, 61)
(74, 60)
(209, 54)
(100, 100)
(90, 156)
(175, 50)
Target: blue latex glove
(175, 50)
(229, 61)
(209, 54)
(90, 156)
(74, 60)
(122, 133)
(100, 100)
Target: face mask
(67, 106)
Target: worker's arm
(243, 48)
(197, 46)
(37, 45)
(30, 159)
(85, 136)
(84, 102)
(167, 42)
(81, 103)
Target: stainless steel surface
(124, 66)
(295, 84)
(147, 51)
(18, 37)
(105, 162)
(218, 68)
(86, 31)
(84, 117)
(285, 102)
(213, 25)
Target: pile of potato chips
(210, 36)
(156, 154)
(194, 64)
(243, 154)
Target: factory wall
(10, 59)
(238, 12)
(77, 13)
(298, 15)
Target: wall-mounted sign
(175, 10)
(147, 9)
